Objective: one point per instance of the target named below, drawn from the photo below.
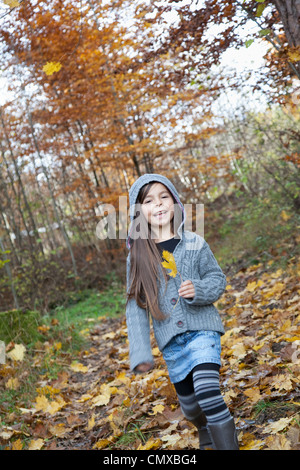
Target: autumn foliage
(97, 403)
(99, 93)
(102, 93)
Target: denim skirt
(189, 349)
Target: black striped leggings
(200, 390)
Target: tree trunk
(9, 274)
(21, 187)
(289, 12)
(55, 210)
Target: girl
(186, 324)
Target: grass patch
(131, 435)
(52, 342)
(78, 317)
(20, 326)
(265, 410)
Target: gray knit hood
(135, 189)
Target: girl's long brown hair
(145, 260)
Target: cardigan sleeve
(211, 282)
(138, 328)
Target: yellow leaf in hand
(169, 263)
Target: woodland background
(94, 95)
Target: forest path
(97, 403)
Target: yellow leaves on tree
(12, 3)
(51, 67)
(294, 54)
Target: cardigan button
(180, 324)
(173, 301)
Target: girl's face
(158, 206)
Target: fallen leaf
(17, 353)
(36, 444)
(249, 442)
(91, 423)
(278, 442)
(43, 404)
(170, 440)
(150, 444)
(157, 409)
(59, 429)
(252, 286)
(104, 397)
(110, 335)
(254, 394)
(277, 426)
(103, 443)
(78, 367)
(6, 434)
(12, 384)
(47, 390)
(239, 350)
(17, 445)
(282, 382)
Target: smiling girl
(187, 332)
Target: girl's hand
(187, 290)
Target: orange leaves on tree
(294, 54)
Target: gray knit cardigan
(195, 262)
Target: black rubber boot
(224, 435)
(205, 441)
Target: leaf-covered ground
(95, 402)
